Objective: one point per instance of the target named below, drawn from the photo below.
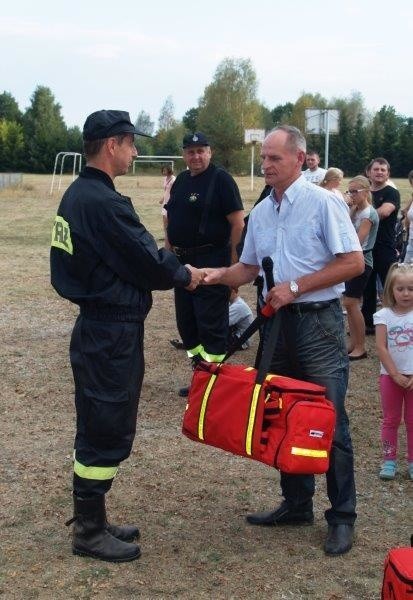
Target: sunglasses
(352, 192)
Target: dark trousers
(108, 366)
(202, 316)
(311, 347)
(382, 261)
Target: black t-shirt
(186, 205)
(386, 230)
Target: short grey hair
(295, 139)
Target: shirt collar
(93, 173)
(291, 192)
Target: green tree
(403, 163)
(74, 140)
(360, 146)
(44, 130)
(9, 109)
(11, 146)
(228, 107)
(168, 142)
(167, 115)
(143, 123)
(384, 133)
(190, 119)
(282, 114)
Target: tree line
(30, 140)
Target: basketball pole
(252, 163)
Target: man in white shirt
(307, 232)
(314, 173)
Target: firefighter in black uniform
(205, 223)
(104, 260)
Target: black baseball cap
(194, 139)
(107, 123)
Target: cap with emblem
(194, 139)
(107, 123)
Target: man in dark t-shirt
(386, 200)
(205, 222)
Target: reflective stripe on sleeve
(61, 235)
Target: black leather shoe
(283, 515)
(339, 539)
(183, 392)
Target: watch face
(293, 287)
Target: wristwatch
(294, 288)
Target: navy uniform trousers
(202, 316)
(108, 366)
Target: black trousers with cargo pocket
(108, 367)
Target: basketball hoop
(253, 137)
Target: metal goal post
(154, 159)
(77, 157)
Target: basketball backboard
(316, 120)
(254, 135)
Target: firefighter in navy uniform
(204, 225)
(104, 260)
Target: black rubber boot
(91, 536)
(126, 533)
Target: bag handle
(266, 313)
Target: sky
(132, 54)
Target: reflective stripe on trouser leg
(107, 363)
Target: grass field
(189, 501)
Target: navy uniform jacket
(102, 257)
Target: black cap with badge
(194, 139)
(108, 123)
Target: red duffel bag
(283, 422)
(398, 574)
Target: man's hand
(197, 276)
(280, 295)
(213, 276)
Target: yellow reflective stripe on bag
(308, 452)
(99, 473)
(251, 419)
(204, 406)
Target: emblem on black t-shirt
(193, 197)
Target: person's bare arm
(386, 359)
(385, 210)
(341, 268)
(364, 230)
(167, 243)
(236, 220)
(233, 276)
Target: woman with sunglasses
(366, 221)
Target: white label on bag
(316, 433)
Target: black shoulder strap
(208, 200)
(269, 347)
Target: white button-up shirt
(311, 226)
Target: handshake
(203, 276)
